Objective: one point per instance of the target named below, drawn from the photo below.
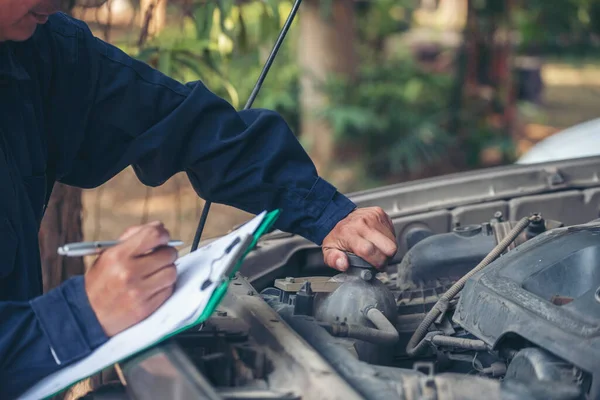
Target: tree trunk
(61, 224)
(153, 15)
(490, 86)
(325, 48)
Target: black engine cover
(546, 291)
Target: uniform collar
(10, 67)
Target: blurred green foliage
(558, 26)
(215, 41)
(396, 112)
(379, 19)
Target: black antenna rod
(257, 86)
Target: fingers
(141, 254)
(145, 308)
(369, 250)
(132, 230)
(384, 244)
(376, 250)
(390, 225)
(162, 279)
(369, 233)
(374, 239)
(147, 238)
(158, 299)
(129, 232)
(128, 282)
(382, 222)
(150, 263)
(336, 259)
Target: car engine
(501, 309)
(494, 293)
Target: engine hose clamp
(425, 341)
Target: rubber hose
(371, 335)
(462, 343)
(383, 324)
(442, 304)
(363, 377)
(360, 332)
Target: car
(579, 141)
(494, 291)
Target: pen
(89, 248)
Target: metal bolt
(536, 217)
(366, 275)
(250, 293)
(555, 177)
(498, 215)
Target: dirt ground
(124, 201)
(571, 96)
(573, 93)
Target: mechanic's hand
(366, 232)
(128, 282)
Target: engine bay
(494, 293)
(529, 318)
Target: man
(77, 110)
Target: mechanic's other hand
(367, 232)
(128, 282)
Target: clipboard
(221, 290)
(245, 246)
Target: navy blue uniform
(77, 110)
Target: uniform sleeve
(44, 335)
(131, 114)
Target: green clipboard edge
(220, 291)
(214, 301)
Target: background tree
(153, 14)
(61, 224)
(326, 47)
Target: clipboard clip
(238, 246)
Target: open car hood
(249, 350)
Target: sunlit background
(378, 91)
